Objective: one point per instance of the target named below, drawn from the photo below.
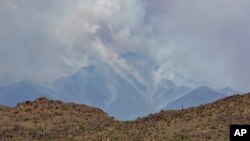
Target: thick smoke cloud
(211, 37)
(188, 42)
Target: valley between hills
(44, 119)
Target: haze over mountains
(127, 57)
(121, 96)
(229, 91)
(200, 95)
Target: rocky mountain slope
(44, 119)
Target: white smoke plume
(185, 41)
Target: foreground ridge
(44, 119)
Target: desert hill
(45, 119)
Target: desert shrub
(58, 113)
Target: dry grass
(43, 119)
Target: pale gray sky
(194, 40)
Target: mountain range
(229, 91)
(200, 95)
(121, 96)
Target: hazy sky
(190, 41)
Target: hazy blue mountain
(229, 91)
(118, 93)
(200, 95)
(24, 90)
(144, 65)
(97, 85)
(168, 91)
(100, 86)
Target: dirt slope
(44, 119)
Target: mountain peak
(203, 88)
(229, 91)
(200, 95)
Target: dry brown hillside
(43, 119)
